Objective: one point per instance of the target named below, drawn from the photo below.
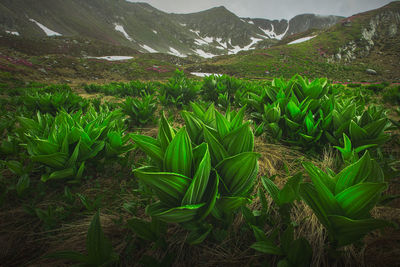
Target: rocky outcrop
(382, 26)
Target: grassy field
(174, 171)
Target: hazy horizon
(270, 9)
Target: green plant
(99, 248)
(22, 172)
(181, 179)
(350, 154)
(140, 111)
(214, 86)
(63, 144)
(179, 90)
(54, 102)
(185, 183)
(284, 198)
(342, 202)
(296, 252)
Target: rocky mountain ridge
(216, 31)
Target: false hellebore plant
(193, 178)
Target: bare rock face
(382, 26)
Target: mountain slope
(140, 26)
(344, 52)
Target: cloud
(270, 9)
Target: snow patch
(270, 33)
(183, 24)
(280, 36)
(13, 33)
(204, 74)
(237, 48)
(223, 45)
(208, 39)
(46, 30)
(121, 29)
(148, 48)
(300, 40)
(175, 52)
(155, 31)
(200, 42)
(250, 22)
(203, 53)
(194, 31)
(113, 58)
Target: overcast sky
(270, 9)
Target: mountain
(344, 51)
(140, 26)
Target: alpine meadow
(131, 136)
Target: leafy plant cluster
(63, 145)
(206, 167)
(309, 115)
(53, 102)
(179, 90)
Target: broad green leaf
(356, 132)
(290, 191)
(318, 175)
(15, 166)
(300, 253)
(348, 231)
(80, 171)
(356, 200)
(294, 126)
(294, 110)
(165, 133)
(45, 146)
(326, 197)
(150, 146)
(267, 247)
(210, 196)
(194, 127)
(272, 189)
(311, 197)
(98, 246)
(22, 184)
(74, 157)
(169, 187)
(222, 124)
(173, 215)
(142, 229)
(259, 234)
(69, 172)
(238, 119)
(353, 174)
(56, 160)
(287, 239)
(375, 128)
(178, 156)
(227, 205)
(196, 190)
(197, 236)
(115, 139)
(239, 140)
(238, 172)
(217, 151)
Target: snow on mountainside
(215, 31)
